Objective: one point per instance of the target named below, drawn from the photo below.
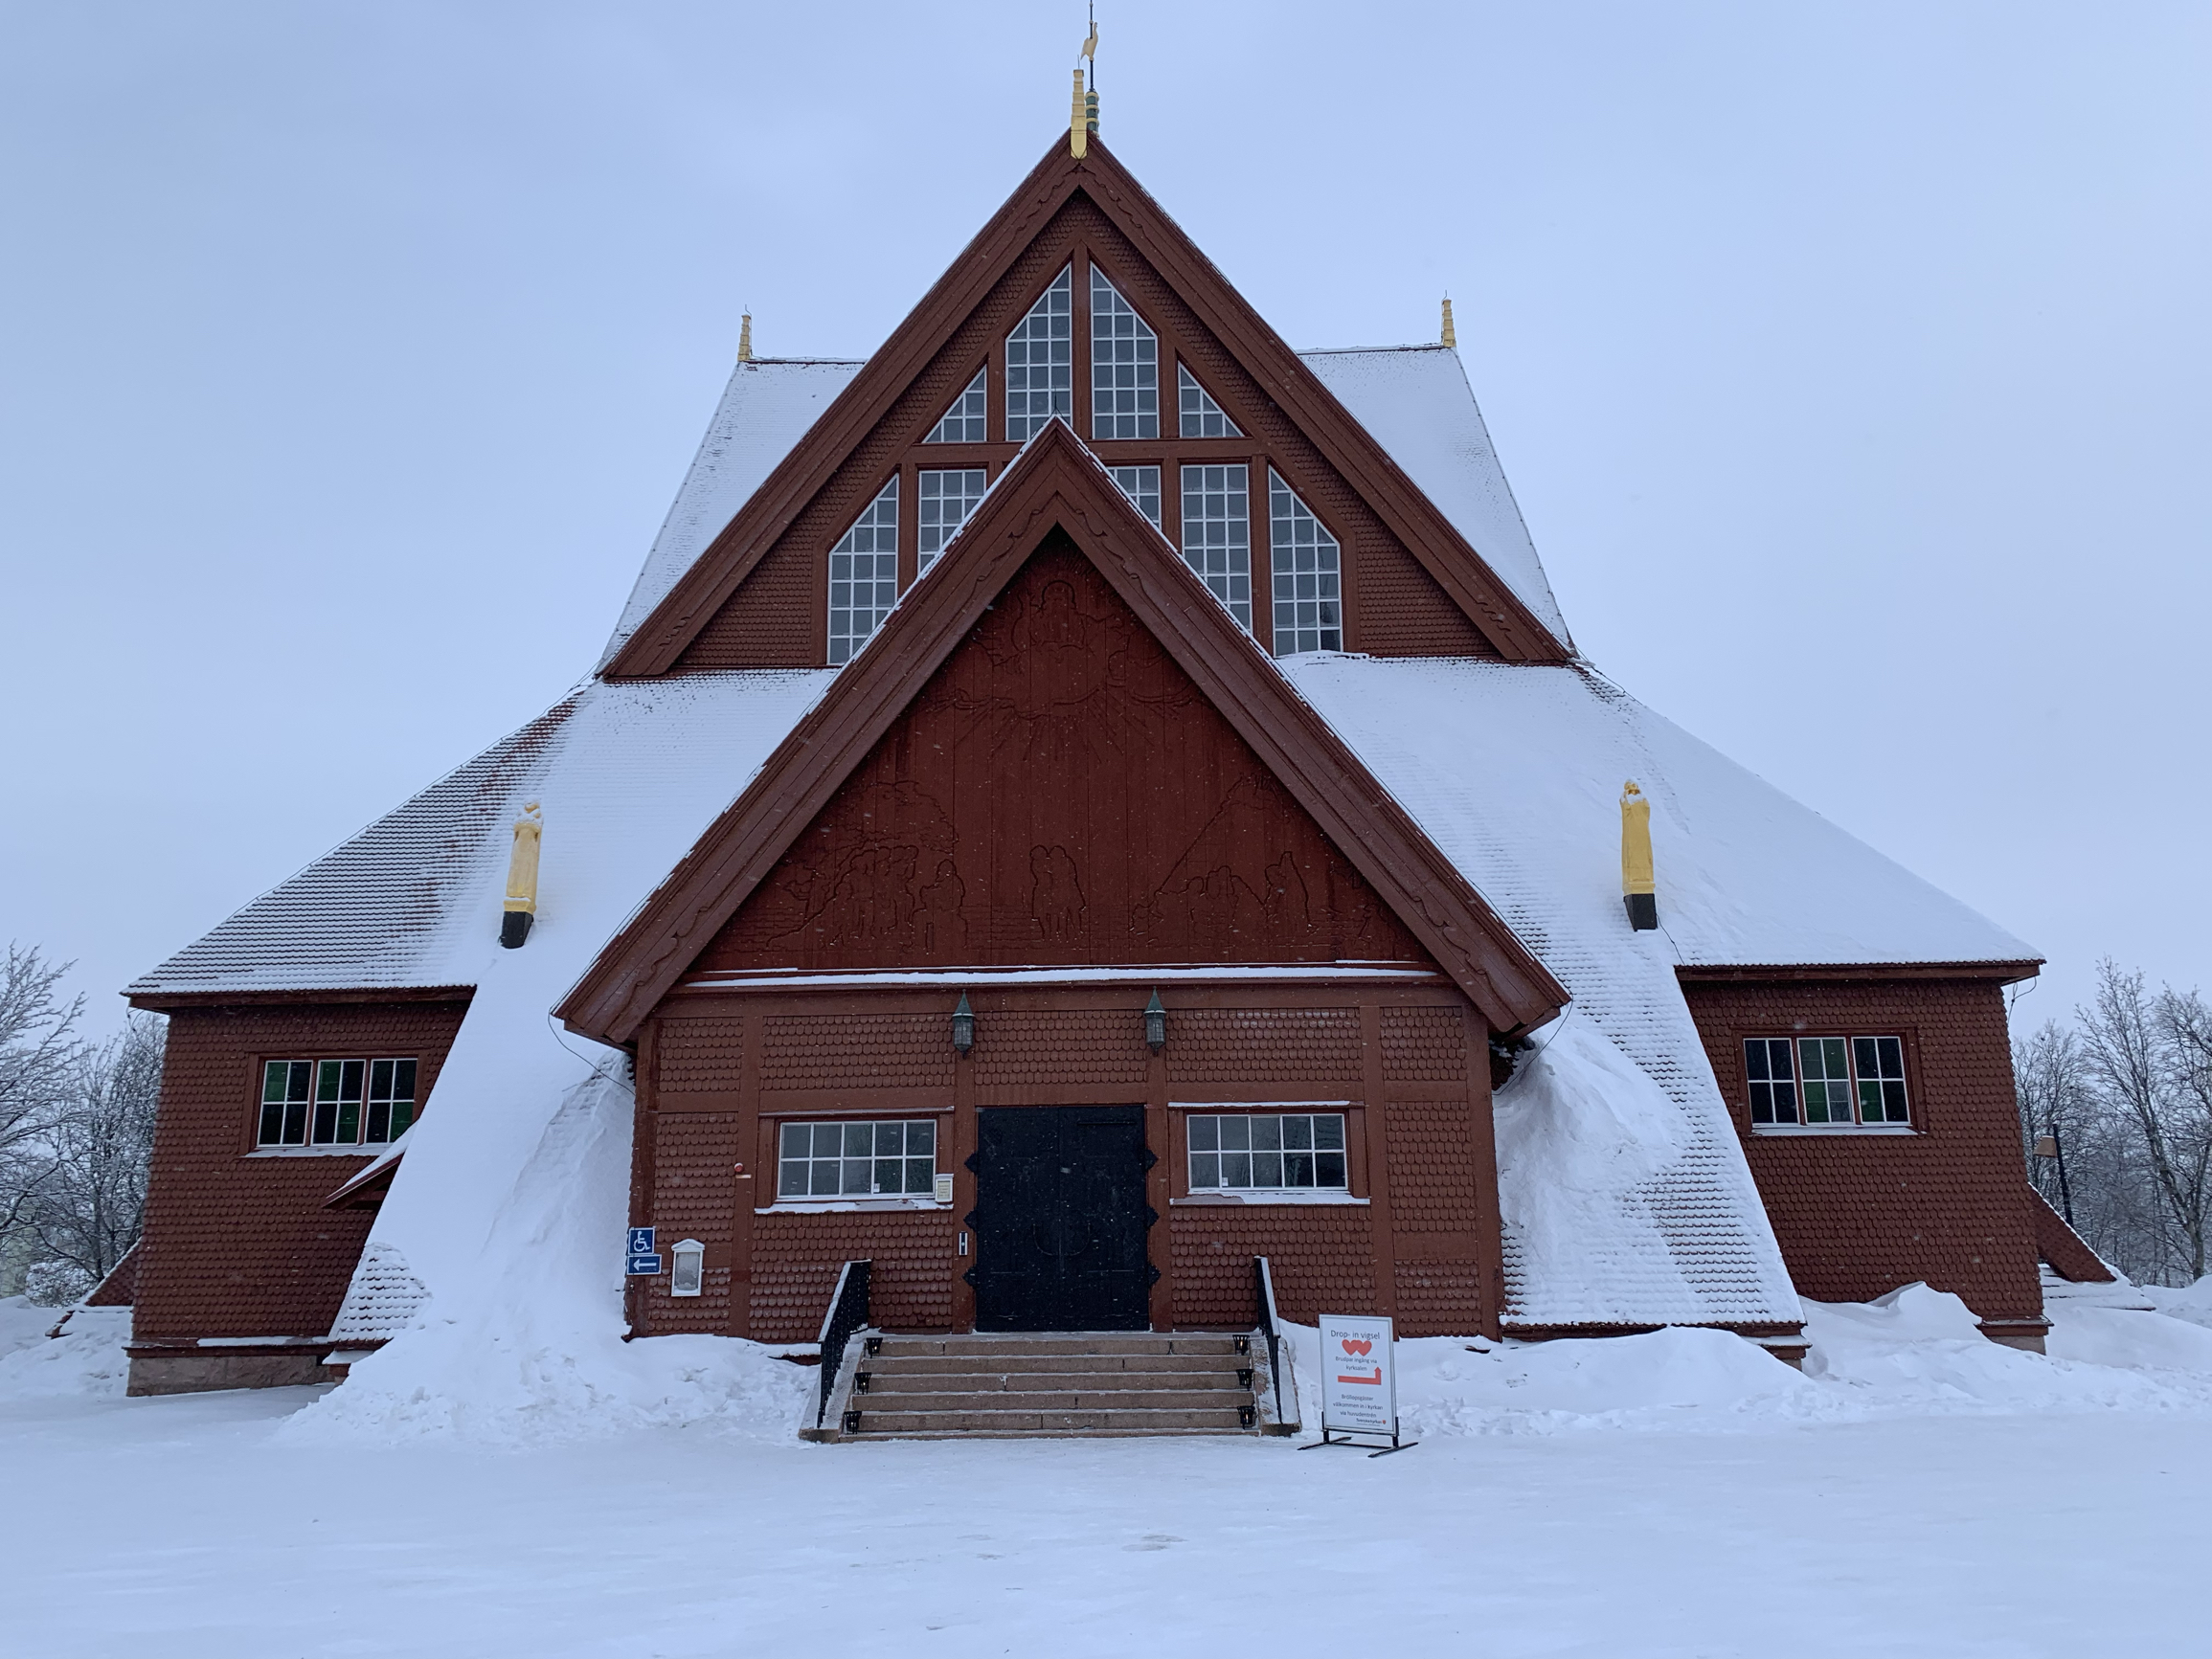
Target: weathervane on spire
(1083, 111)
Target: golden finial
(1451, 334)
(745, 337)
(1083, 110)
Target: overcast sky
(1850, 362)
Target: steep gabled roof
(1057, 485)
(1492, 605)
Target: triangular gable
(1057, 485)
(1342, 442)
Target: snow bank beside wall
(529, 1349)
(1917, 1352)
(86, 1359)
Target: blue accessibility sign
(640, 1242)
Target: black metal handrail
(1263, 1282)
(847, 1314)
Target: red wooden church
(1082, 800)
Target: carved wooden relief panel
(1060, 793)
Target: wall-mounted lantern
(1155, 1024)
(688, 1267)
(963, 1027)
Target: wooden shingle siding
(237, 1245)
(1859, 1214)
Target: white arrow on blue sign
(644, 1266)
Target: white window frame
(1223, 563)
(841, 1129)
(864, 575)
(1141, 485)
(1041, 361)
(1196, 410)
(1124, 367)
(359, 1091)
(1213, 1127)
(1794, 1114)
(958, 488)
(970, 415)
(1306, 570)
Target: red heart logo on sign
(1357, 1345)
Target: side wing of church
(1080, 803)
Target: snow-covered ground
(1919, 1490)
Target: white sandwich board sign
(1359, 1380)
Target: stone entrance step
(1060, 1384)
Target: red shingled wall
(238, 1245)
(1860, 1215)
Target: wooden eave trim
(1832, 973)
(1059, 485)
(715, 575)
(162, 1002)
(1347, 446)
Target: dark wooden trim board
(1057, 486)
(715, 576)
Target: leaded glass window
(857, 1161)
(966, 421)
(1124, 365)
(1217, 534)
(947, 499)
(1267, 1152)
(1201, 417)
(1041, 363)
(1305, 569)
(864, 575)
(1141, 485)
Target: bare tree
(2055, 1100)
(90, 1207)
(39, 1056)
(2144, 1058)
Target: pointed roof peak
(1144, 234)
(1058, 485)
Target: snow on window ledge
(372, 1150)
(1270, 1195)
(833, 1206)
(1837, 1129)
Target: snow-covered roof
(1415, 402)
(630, 773)
(1617, 1207)
(765, 410)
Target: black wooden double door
(1060, 1218)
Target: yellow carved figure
(521, 905)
